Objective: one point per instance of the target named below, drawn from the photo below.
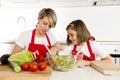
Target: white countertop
(85, 73)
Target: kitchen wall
(102, 21)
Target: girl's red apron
(92, 55)
(39, 47)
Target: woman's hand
(35, 53)
(56, 48)
(53, 50)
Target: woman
(79, 38)
(34, 40)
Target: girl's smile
(72, 35)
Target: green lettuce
(21, 57)
(64, 62)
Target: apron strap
(89, 48)
(90, 51)
(74, 51)
(33, 36)
(48, 40)
(92, 38)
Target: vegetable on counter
(15, 66)
(25, 66)
(43, 66)
(4, 59)
(64, 63)
(33, 67)
(21, 57)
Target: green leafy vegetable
(21, 57)
(64, 62)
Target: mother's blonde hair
(50, 13)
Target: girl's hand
(84, 63)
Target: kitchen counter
(7, 73)
(85, 73)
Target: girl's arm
(108, 58)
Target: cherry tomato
(25, 66)
(42, 66)
(33, 67)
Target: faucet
(21, 17)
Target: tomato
(25, 66)
(33, 67)
(42, 66)
(35, 63)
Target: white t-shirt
(97, 49)
(25, 38)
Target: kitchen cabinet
(58, 3)
(45, 3)
(6, 47)
(102, 21)
(11, 24)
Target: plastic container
(64, 62)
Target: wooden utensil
(53, 60)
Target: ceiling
(82, 2)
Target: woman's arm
(56, 47)
(16, 49)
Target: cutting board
(106, 68)
(7, 73)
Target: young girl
(79, 36)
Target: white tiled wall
(102, 21)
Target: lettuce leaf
(21, 57)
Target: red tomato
(42, 66)
(35, 63)
(33, 67)
(25, 66)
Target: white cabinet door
(10, 24)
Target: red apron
(92, 56)
(39, 47)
